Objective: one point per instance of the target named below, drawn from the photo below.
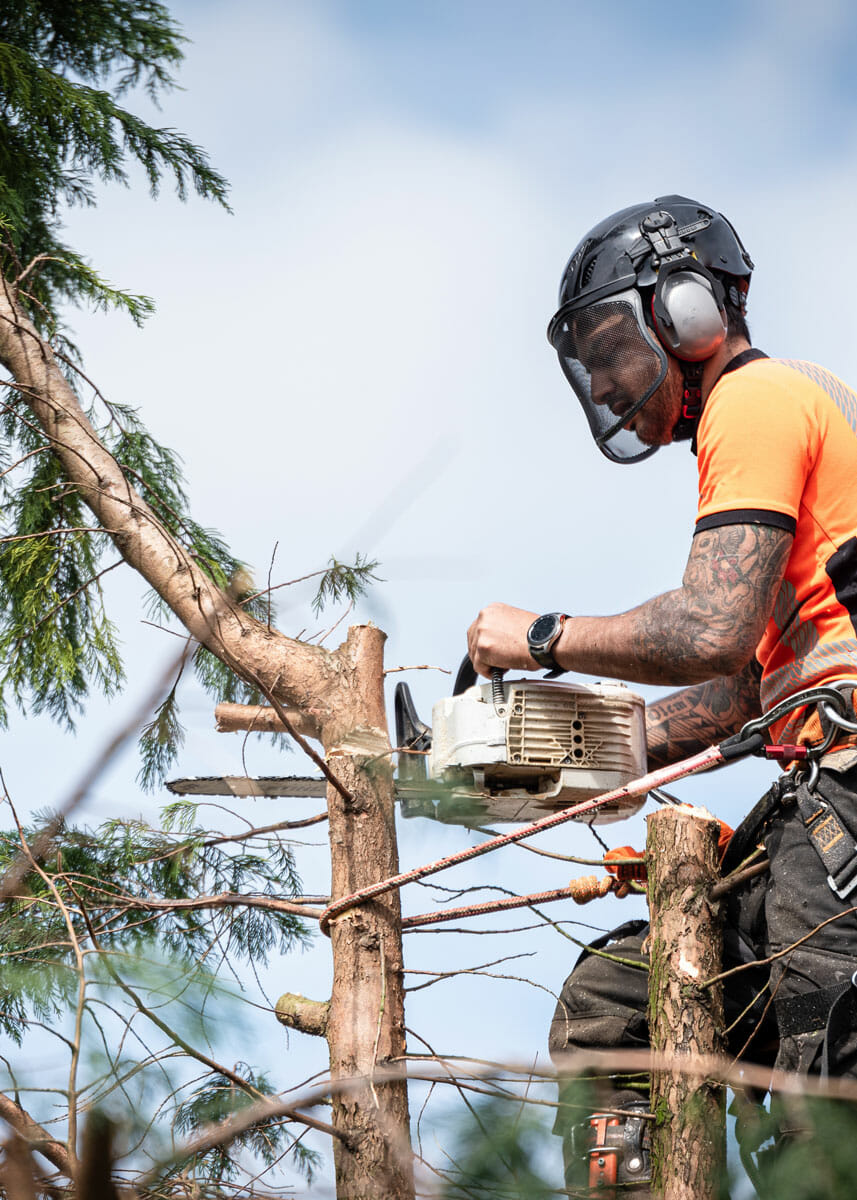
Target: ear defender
(687, 306)
(689, 317)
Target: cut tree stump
(685, 1019)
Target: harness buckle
(843, 890)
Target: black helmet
(649, 280)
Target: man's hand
(498, 638)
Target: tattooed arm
(687, 721)
(708, 627)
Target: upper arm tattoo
(717, 617)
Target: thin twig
(23, 459)
(34, 262)
(763, 962)
(219, 900)
(288, 583)
(301, 741)
(270, 569)
(45, 533)
(319, 638)
(737, 878)
(420, 667)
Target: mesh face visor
(615, 364)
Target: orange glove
(626, 871)
(723, 841)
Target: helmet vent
(588, 272)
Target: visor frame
(630, 296)
(616, 287)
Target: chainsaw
(507, 750)
(516, 749)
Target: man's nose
(601, 387)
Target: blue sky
(356, 359)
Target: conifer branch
(35, 1135)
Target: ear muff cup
(688, 314)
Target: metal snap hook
(837, 718)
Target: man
(651, 334)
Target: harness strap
(808, 1011)
(831, 841)
(841, 863)
(833, 1009)
(840, 1021)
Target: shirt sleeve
(756, 449)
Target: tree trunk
(366, 1021)
(689, 1143)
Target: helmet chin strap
(691, 407)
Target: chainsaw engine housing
(539, 747)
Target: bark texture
(366, 1027)
(307, 1016)
(261, 718)
(685, 1020)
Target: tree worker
(652, 336)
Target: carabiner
(837, 718)
(814, 695)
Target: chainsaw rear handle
(467, 678)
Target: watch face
(542, 629)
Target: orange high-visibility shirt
(777, 445)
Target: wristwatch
(541, 637)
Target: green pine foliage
(67, 74)
(149, 989)
(65, 71)
(102, 873)
(344, 581)
(215, 1101)
(118, 944)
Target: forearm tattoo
(696, 717)
(713, 623)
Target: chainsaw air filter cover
(544, 746)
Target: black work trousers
(603, 1002)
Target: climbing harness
(827, 833)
